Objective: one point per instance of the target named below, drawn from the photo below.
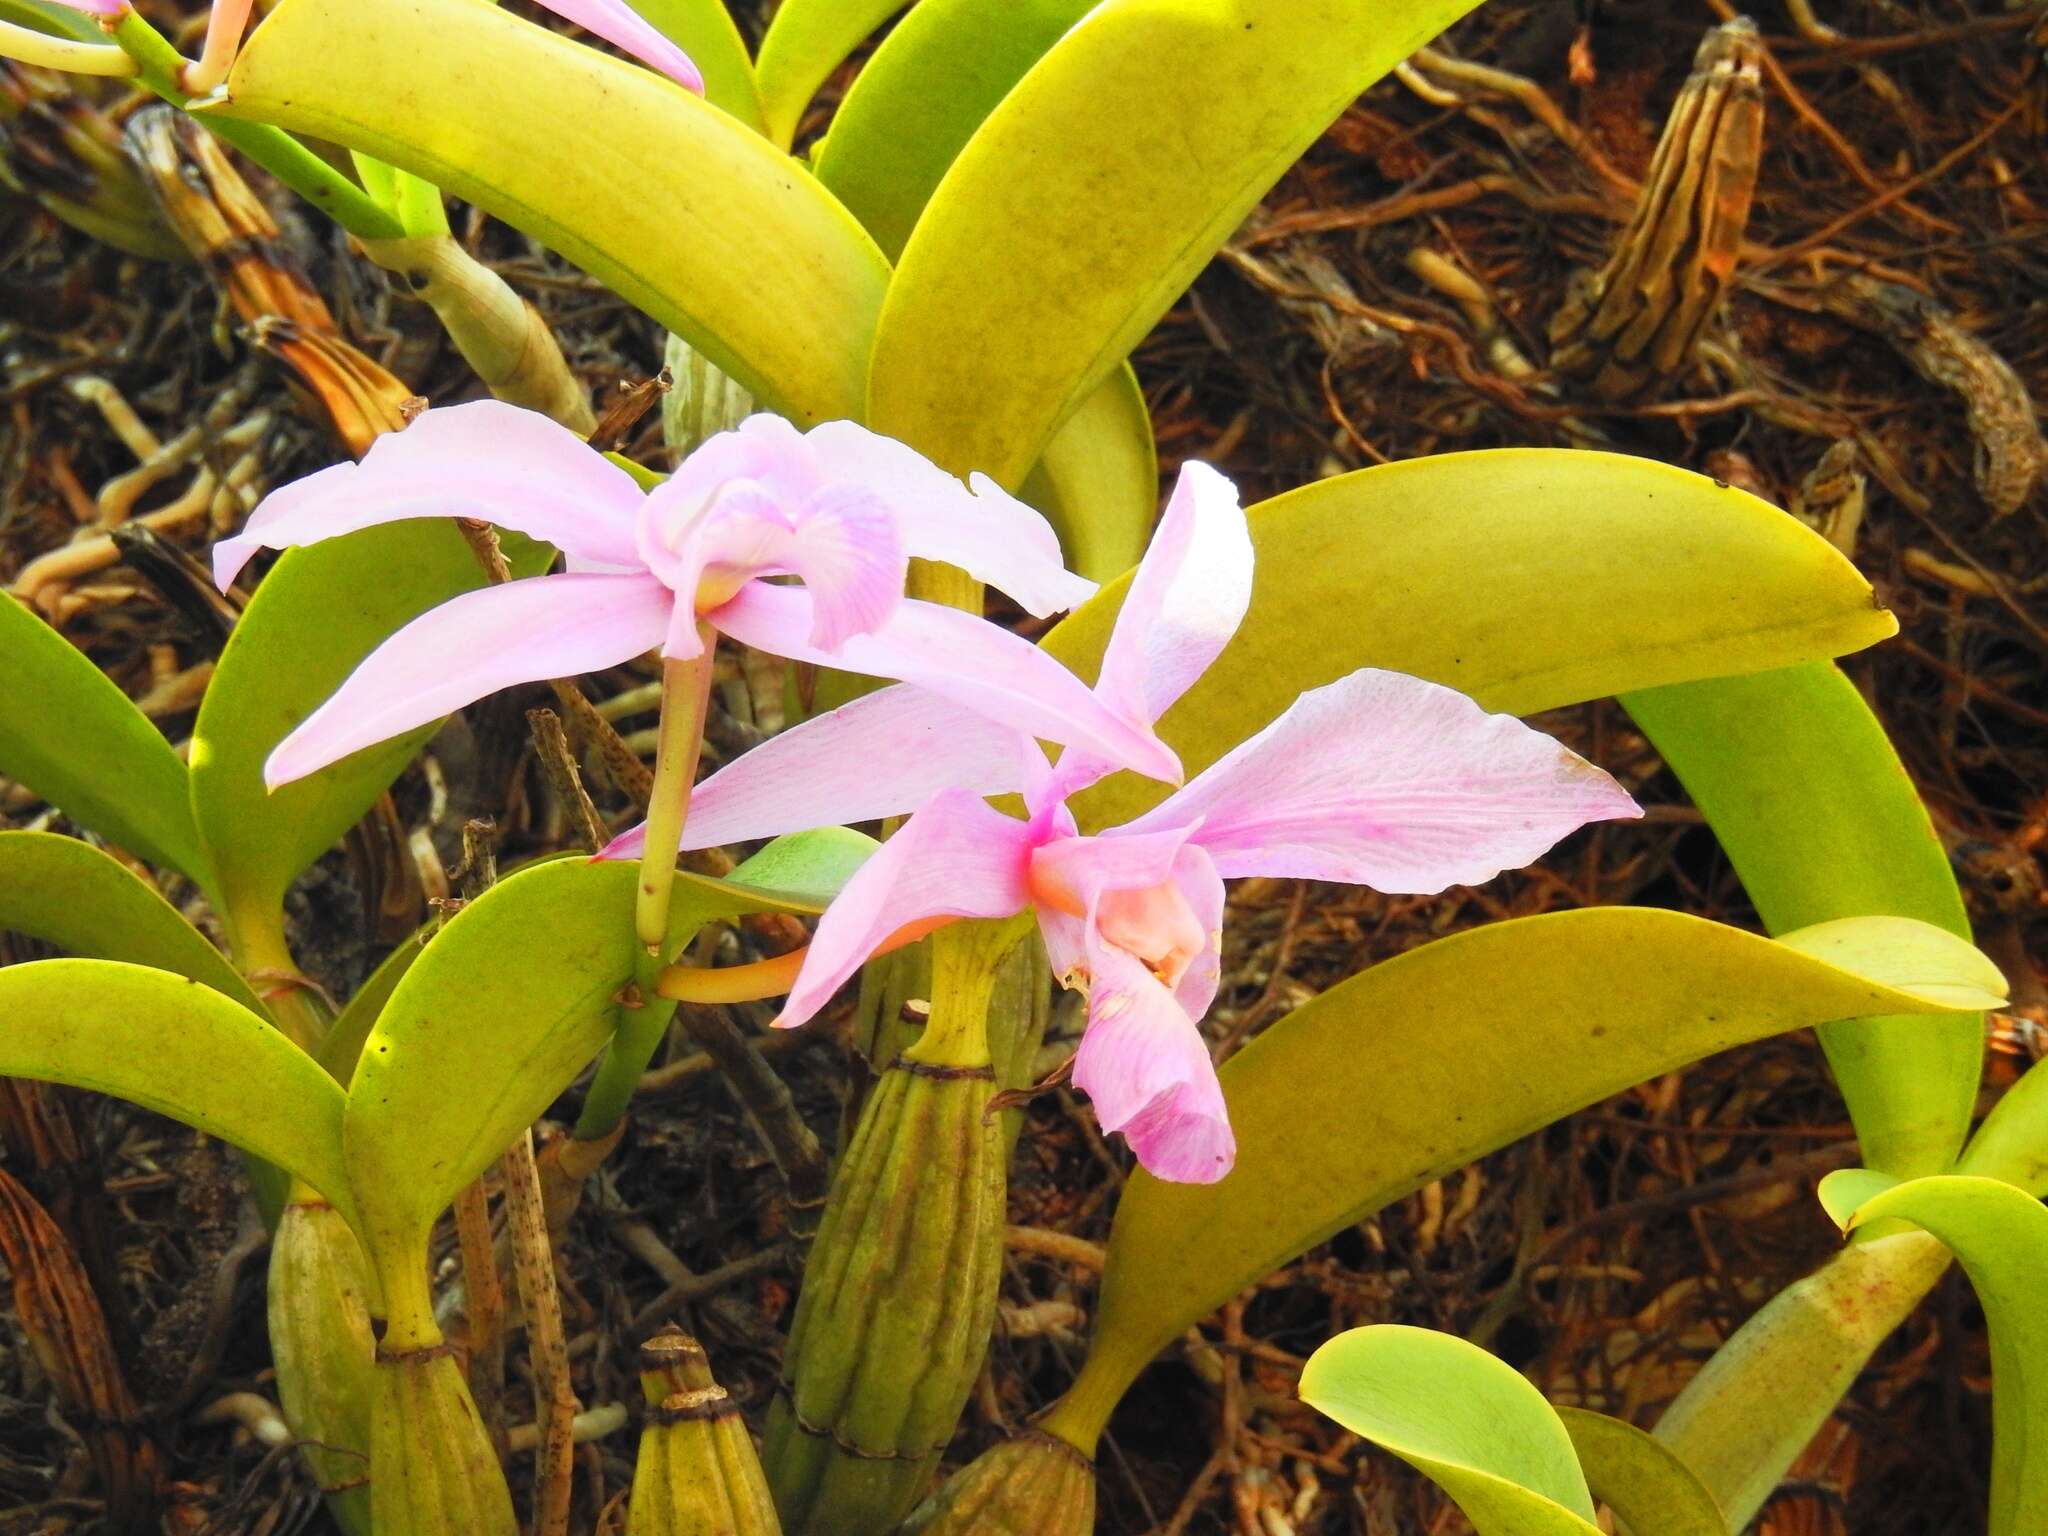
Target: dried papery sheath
(1639, 317)
(320, 1341)
(433, 1471)
(1034, 1485)
(697, 1473)
(899, 1294)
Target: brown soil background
(1606, 1255)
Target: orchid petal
(619, 25)
(885, 754)
(1078, 870)
(961, 657)
(958, 857)
(472, 645)
(1143, 1064)
(97, 7)
(1385, 780)
(485, 460)
(1186, 600)
(979, 527)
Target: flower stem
(25, 45)
(731, 983)
(685, 698)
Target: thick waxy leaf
(472, 1047)
(806, 41)
(74, 738)
(1106, 180)
(88, 904)
(1816, 813)
(1468, 1422)
(179, 1048)
(2012, 1143)
(342, 1045)
(1427, 1061)
(681, 209)
(919, 99)
(317, 613)
(1653, 1492)
(1527, 578)
(2000, 1236)
(704, 29)
(1098, 484)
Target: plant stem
(486, 1308)
(26, 46)
(685, 698)
(546, 1345)
(162, 68)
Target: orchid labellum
(1376, 779)
(839, 508)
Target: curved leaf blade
(1405, 1073)
(1098, 484)
(704, 29)
(1107, 179)
(1470, 1423)
(317, 613)
(2012, 1143)
(1564, 605)
(1999, 1235)
(1817, 815)
(182, 1049)
(677, 207)
(88, 904)
(469, 1049)
(78, 741)
(1640, 1478)
(806, 41)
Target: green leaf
(2012, 1143)
(1842, 1191)
(1637, 1476)
(1428, 1061)
(317, 613)
(1528, 578)
(1468, 1422)
(88, 904)
(342, 1045)
(806, 41)
(75, 739)
(472, 1046)
(677, 207)
(179, 1048)
(917, 102)
(1816, 813)
(1106, 180)
(1098, 484)
(2000, 1236)
(705, 30)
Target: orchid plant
(1327, 686)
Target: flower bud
(321, 1344)
(697, 1473)
(1033, 1485)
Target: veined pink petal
(961, 657)
(885, 754)
(549, 626)
(1072, 873)
(618, 24)
(958, 857)
(979, 526)
(1186, 600)
(1143, 1064)
(485, 460)
(1385, 780)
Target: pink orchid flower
(1377, 779)
(839, 507)
(613, 20)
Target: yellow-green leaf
(1999, 1235)
(1427, 1061)
(704, 29)
(2012, 1143)
(678, 207)
(1098, 484)
(1528, 578)
(179, 1048)
(806, 41)
(1816, 813)
(1094, 193)
(88, 904)
(1640, 1478)
(1470, 1423)
(74, 738)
